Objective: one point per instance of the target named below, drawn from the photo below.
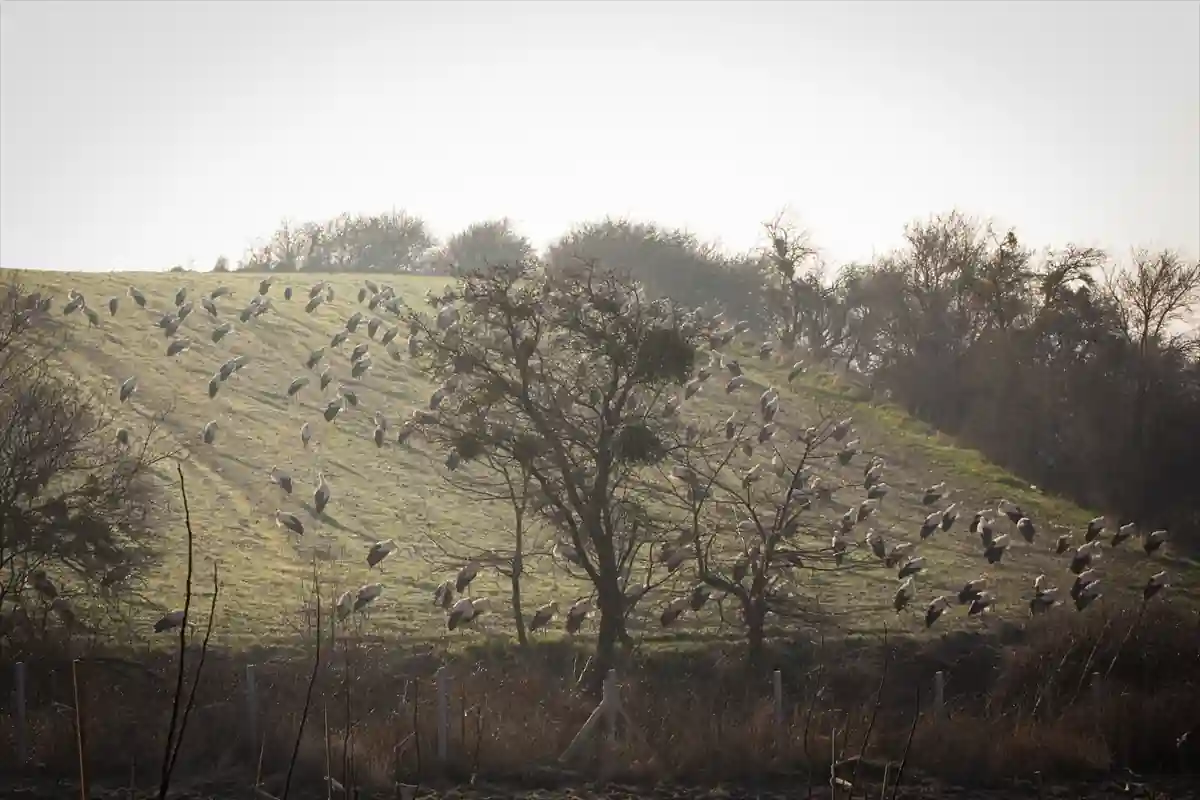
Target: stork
(379, 551)
(936, 608)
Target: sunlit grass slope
(398, 491)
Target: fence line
(607, 717)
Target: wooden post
(611, 703)
(80, 739)
(443, 714)
(251, 707)
(22, 725)
(777, 680)
(939, 694)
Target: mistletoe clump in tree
(566, 373)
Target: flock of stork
(466, 609)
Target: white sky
(139, 135)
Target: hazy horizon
(143, 135)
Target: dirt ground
(1165, 788)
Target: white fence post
(777, 681)
(22, 728)
(939, 693)
(251, 700)
(612, 704)
(443, 713)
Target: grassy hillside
(398, 491)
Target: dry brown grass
(696, 716)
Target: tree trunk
(755, 636)
(611, 605)
(518, 614)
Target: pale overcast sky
(139, 135)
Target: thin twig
(887, 657)
(287, 784)
(187, 711)
(165, 782)
(907, 746)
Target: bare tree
(564, 374)
(76, 492)
(1155, 293)
(748, 491)
(497, 478)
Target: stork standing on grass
(543, 616)
(281, 479)
(576, 614)
(321, 494)
(467, 610)
(935, 609)
(379, 551)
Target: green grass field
(399, 491)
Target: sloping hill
(399, 492)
